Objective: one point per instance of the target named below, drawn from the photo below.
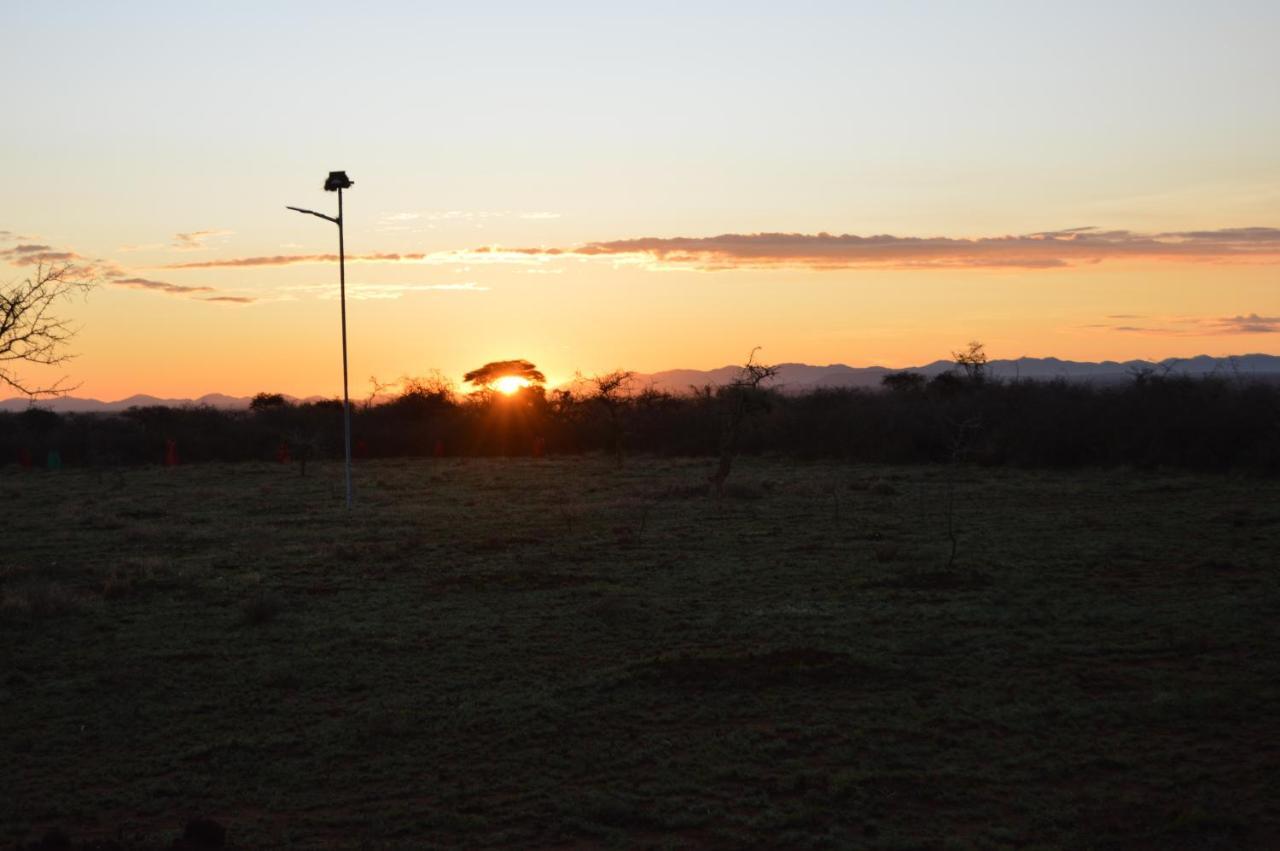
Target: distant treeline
(1218, 424)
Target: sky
(643, 186)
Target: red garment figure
(24, 458)
(282, 453)
(437, 451)
(171, 453)
(539, 446)
(361, 449)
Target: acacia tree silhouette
(973, 361)
(743, 397)
(30, 333)
(609, 391)
(511, 422)
(484, 377)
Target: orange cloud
(110, 272)
(1045, 250)
(159, 286)
(292, 259)
(195, 240)
(1193, 326)
(364, 292)
(32, 255)
(180, 290)
(1251, 324)
(823, 251)
(86, 268)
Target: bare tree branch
(31, 333)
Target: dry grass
(509, 653)
(39, 600)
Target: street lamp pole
(342, 297)
(336, 182)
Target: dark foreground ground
(561, 654)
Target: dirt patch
(501, 543)
(934, 580)
(521, 580)
(378, 550)
(319, 590)
(798, 666)
(1159, 573)
(682, 491)
(1222, 567)
(1245, 517)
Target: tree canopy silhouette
(491, 372)
(973, 361)
(264, 400)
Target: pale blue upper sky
(556, 124)
(662, 117)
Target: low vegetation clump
(262, 609)
(38, 600)
(1210, 424)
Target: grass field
(562, 654)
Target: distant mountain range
(801, 377)
(796, 378)
(141, 400)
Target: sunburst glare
(509, 384)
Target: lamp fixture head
(337, 180)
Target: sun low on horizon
(596, 189)
(509, 385)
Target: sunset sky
(665, 186)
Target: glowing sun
(509, 384)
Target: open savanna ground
(559, 653)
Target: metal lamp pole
(336, 182)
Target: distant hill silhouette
(795, 378)
(801, 377)
(140, 400)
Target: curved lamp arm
(314, 213)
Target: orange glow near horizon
(1135, 214)
(584, 319)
